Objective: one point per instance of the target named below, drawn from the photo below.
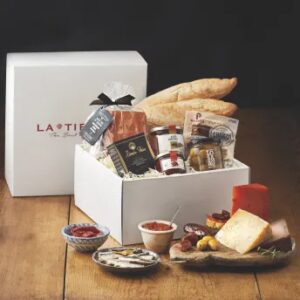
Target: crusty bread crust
(174, 113)
(214, 88)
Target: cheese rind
(244, 231)
(253, 198)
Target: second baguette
(174, 113)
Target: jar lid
(201, 140)
(154, 129)
(179, 153)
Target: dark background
(257, 41)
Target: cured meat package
(127, 122)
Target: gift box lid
(75, 58)
(48, 98)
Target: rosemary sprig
(272, 252)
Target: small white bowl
(157, 241)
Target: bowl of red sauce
(85, 237)
(157, 234)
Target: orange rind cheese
(253, 198)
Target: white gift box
(47, 101)
(121, 204)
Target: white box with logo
(47, 101)
(121, 204)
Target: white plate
(100, 258)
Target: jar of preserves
(171, 162)
(167, 138)
(205, 154)
(199, 131)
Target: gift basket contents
(183, 129)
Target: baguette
(214, 88)
(174, 113)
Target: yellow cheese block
(244, 231)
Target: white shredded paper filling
(106, 160)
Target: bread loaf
(174, 113)
(214, 88)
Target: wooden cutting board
(228, 257)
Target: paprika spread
(88, 231)
(170, 163)
(155, 226)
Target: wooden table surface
(35, 262)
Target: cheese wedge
(244, 231)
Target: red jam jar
(167, 138)
(171, 162)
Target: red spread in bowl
(88, 231)
(155, 226)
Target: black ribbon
(105, 100)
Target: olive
(203, 154)
(213, 244)
(202, 245)
(207, 238)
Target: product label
(167, 164)
(223, 134)
(132, 155)
(219, 128)
(169, 142)
(211, 159)
(96, 125)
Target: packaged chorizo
(127, 122)
(219, 128)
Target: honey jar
(205, 154)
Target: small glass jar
(167, 138)
(205, 154)
(171, 162)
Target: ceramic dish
(157, 241)
(85, 244)
(126, 260)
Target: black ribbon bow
(105, 100)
